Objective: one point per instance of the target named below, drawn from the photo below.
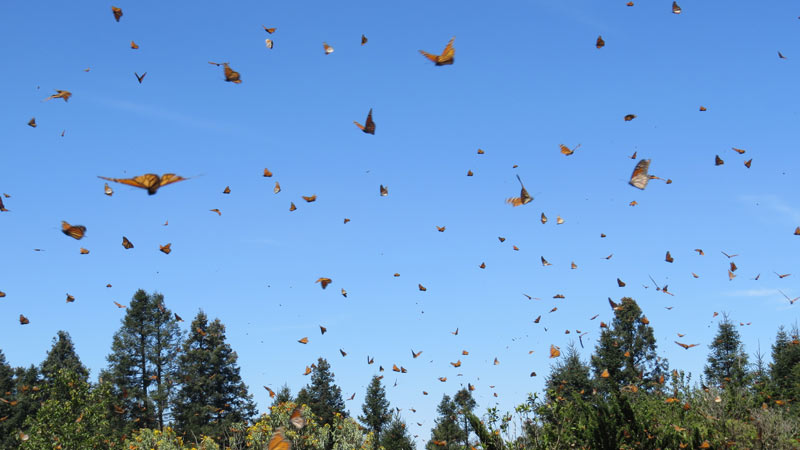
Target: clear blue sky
(527, 77)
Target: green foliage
(785, 368)
(75, 415)
(627, 350)
(395, 436)
(447, 429)
(323, 396)
(143, 362)
(727, 361)
(62, 356)
(375, 408)
(7, 411)
(283, 395)
(569, 376)
(212, 395)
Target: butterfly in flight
(328, 48)
(363, 39)
(686, 346)
(32, 122)
(447, 56)
(73, 231)
(629, 117)
(149, 181)
(60, 94)
(117, 13)
(639, 177)
(126, 243)
(269, 30)
(134, 46)
(140, 77)
(369, 125)
(524, 197)
(600, 42)
(324, 281)
(23, 320)
(230, 74)
(675, 8)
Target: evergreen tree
(376, 409)
(463, 399)
(143, 362)
(395, 436)
(75, 415)
(786, 365)
(727, 361)
(447, 434)
(323, 396)
(62, 356)
(7, 393)
(569, 376)
(627, 350)
(212, 396)
(27, 392)
(283, 395)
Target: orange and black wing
(639, 178)
(278, 441)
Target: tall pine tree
(7, 393)
(785, 367)
(727, 361)
(396, 436)
(376, 409)
(569, 376)
(627, 350)
(463, 399)
(323, 396)
(143, 362)
(62, 356)
(212, 396)
(447, 434)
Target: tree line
(166, 389)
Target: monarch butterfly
(415, 355)
(363, 39)
(718, 161)
(669, 258)
(117, 13)
(292, 207)
(423, 289)
(456, 364)
(605, 374)
(227, 190)
(269, 30)
(322, 329)
(523, 199)
(346, 220)
(566, 150)
(639, 178)
(84, 251)
(600, 42)
(629, 117)
(555, 352)
(70, 298)
(297, 418)
(545, 262)
(139, 78)
(481, 152)
(178, 318)
(278, 441)
(440, 229)
(2, 206)
(277, 188)
(748, 163)
(216, 210)
(32, 122)
(126, 243)
(369, 125)
(269, 43)
(166, 248)
(703, 108)
(60, 94)
(780, 55)
(559, 220)
(134, 46)
(303, 340)
(675, 8)
(573, 265)
(324, 282)
(469, 173)
(310, 199)
(73, 231)
(344, 293)
(23, 320)
(384, 191)
(620, 283)
(483, 265)
(328, 48)
(447, 56)
(267, 173)
(230, 74)
(149, 181)
(120, 305)
(442, 379)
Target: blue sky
(527, 77)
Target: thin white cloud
(753, 293)
(774, 203)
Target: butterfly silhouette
(149, 181)
(447, 56)
(73, 231)
(523, 199)
(369, 125)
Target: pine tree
(447, 434)
(7, 392)
(627, 350)
(569, 376)
(463, 399)
(376, 409)
(786, 365)
(727, 361)
(323, 396)
(62, 356)
(27, 392)
(395, 436)
(283, 395)
(212, 396)
(143, 362)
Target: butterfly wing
(169, 178)
(448, 55)
(639, 178)
(278, 441)
(297, 418)
(434, 58)
(369, 125)
(73, 231)
(143, 181)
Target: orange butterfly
(134, 46)
(227, 190)
(328, 48)
(70, 298)
(686, 346)
(297, 419)
(324, 281)
(748, 163)
(422, 288)
(310, 199)
(523, 199)
(600, 42)
(117, 13)
(669, 258)
(363, 39)
(384, 191)
(178, 318)
(620, 283)
(269, 30)
(566, 150)
(73, 231)
(230, 74)
(456, 364)
(126, 243)
(278, 441)
(60, 94)
(216, 210)
(84, 251)
(639, 177)
(32, 122)
(447, 56)
(149, 181)
(481, 152)
(369, 125)
(440, 229)
(469, 173)
(675, 8)
(166, 248)
(703, 108)
(629, 117)
(292, 207)
(23, 320)
(119, 305)
(303, 340)
(718, 161)
(555, 352)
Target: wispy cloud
(774, 203)
(753, 293)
